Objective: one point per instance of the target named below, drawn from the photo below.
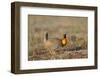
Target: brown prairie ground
(59, 55)
(56, 26)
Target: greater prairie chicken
(51, 43)
(64, 41)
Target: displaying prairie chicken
(64, 41)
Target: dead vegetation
(70, 51)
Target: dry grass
(67, 52)
(56, 27)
